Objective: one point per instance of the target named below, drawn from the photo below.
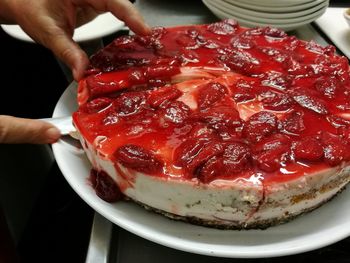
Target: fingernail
(52, 135)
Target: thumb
(20, 130)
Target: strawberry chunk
(161, 71)
(113, 58)
(161, 95)
(308, 148)
(294, 123)
(309, 99)
(193, 152)
(243, 62)
(272, 152)
(236, 159)
(102, 85)
(209, 94)
(242, 90)
(211, 169)
(220, 117)
(186, 40)
(260, 125)
(344, 133)
(334, 148)
(96, 105)
(276, 101)
(225, 27)
(271, 142)
(274, 32)
(104, 186)
(272, 160)
(129, 103)
(276, 80)
(174, 112)
(337, 121)
(200, 130)
(138, 158)
(328, 87)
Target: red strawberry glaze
(183, 99)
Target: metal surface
(174, 12)
(100, 238)
(64, 124)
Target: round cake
(217, 124)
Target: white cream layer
(239, 203)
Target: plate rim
(286, 27)
(283, 16)
(275, 9)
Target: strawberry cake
(217, 124)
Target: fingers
(85, 15)
(126, 11)
(52, 24)
(60, 42)
(70, 53)
(19, 130)
(122, 9)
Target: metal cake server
(68, 131)
(64, 124)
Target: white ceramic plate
(242, 13)
(326, 225)
(250, 23)
(285, 3)
(102, 25)
(275, 9)
(290, 16)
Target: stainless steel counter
(108, 242)
(174, 12)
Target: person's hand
(20, 130)
(52, 23)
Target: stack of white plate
(284, 14)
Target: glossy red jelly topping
(217, 101)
